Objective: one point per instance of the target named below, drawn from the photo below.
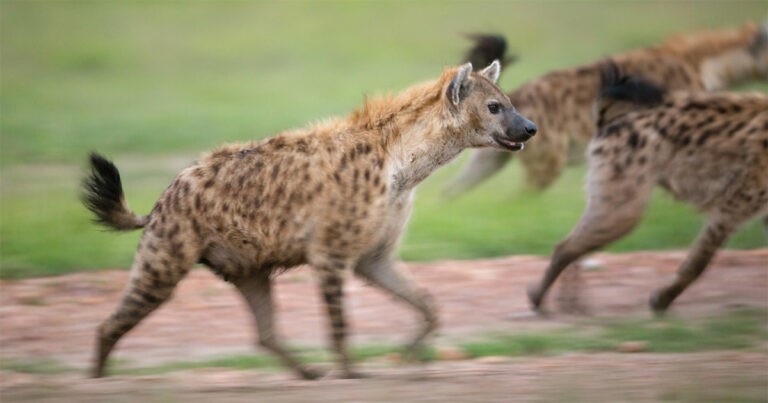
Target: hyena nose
(530, 128)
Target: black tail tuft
(487, 49)
(614, 85)
(102, 194)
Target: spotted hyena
(335, 195)
(707, 149)
(560, 102)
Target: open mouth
(509, 144)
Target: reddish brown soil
(56, 317)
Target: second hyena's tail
(102, 194)
(487, 49)
(620, 93)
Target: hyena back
(707, 149)
(560, 102)
(336, 196)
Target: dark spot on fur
(216, 166)
(333, 281)
(633, 140)
(147, 297)
(173, 231)
(276, 143)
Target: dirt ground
(55, 318)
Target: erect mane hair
(379, 110)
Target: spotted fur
(335, 195)
(709, 150)
(561, 102)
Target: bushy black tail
(487, 49)
(102, 194)
(620, 93)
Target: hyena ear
(492, 72)
(460, 80)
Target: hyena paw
(354, 375)
(659, 302)
(310, 373)
(534, 297)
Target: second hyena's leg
(710, 239)
(257, 292)
(544, 159)
(765, 226)
(383, 273)
(614, 207)
(482, 165)
(153, 278)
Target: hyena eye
(494, 107)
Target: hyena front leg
(151, 284)
(712, 236)
(383, 273)
(331, 276)
(257, 292)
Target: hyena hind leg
(151, 284)
(384, 274)
(711, 237)
(257, 292)
(613, 210)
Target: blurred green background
(152, 85)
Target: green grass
(153, 85)
(741, 329)
(46, 366)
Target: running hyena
(560, 102)
(335, 195)
(707, 149)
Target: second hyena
(560, 102)
(335, 195)
(707, 149)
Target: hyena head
(726, 57)
(480, 106)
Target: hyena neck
(420, 150)
(414, 128)
(726, 69)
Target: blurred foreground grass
(154, 84)
(740, 329)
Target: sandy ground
(55, 318)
